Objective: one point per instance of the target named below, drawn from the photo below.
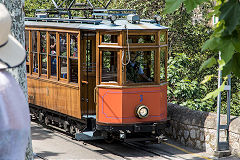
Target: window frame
(40, 55)
(118, 67)
(28, 56)
(57, 32)
(137, 33)
(155, 67)
(102, 33)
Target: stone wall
(197, 129)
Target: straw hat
(12, 52)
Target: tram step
(86, 136)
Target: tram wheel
(72, 129)
(66, 126)
(46, 120)
(109, 139)
(40, 117)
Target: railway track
(123, 150)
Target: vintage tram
(108, 76)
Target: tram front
(131, 79)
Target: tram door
(88, 69)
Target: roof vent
(133, 18)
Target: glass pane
(44, 63)
(74, 45)
(35, 62)
(89, 53)
(53, 65)
(34, 41)
(163, 52)
(63, 67)
(109, 66)
(43, 42)
(141, 67)
(141, 39)
(63, 44)
(163, 37)
(108, 38)
(52, 43)
(27, 68)
(27, 45)
(73, 70)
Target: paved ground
(49, 144)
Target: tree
(225, 38)
(16, 11)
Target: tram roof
(95, 24)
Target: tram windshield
(140, 68)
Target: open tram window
(27, 49)
(35, 51)
(109, 38)
(163, 37)
(73, 59)
(52, 54)
(141, 38)
(109, 66)
(43, 53)
(163, 57)
(63, 55)
(140, 68)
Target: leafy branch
(226, 36)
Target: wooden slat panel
(55, 97)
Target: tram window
(73, 60)
(109, 66)
(163, 52)
(109, 38)
(73, 70)
(27, 50)
(140, 69)
(43, 52)
(52, 55)
(141, 38)
(73, 45)
(163, 37)
(34, 51)
(63, 55)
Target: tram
(107, 75)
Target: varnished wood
(30, 53)
(52, 29)
(57, 55)
(38, 51)
(68, 55)
(48, 58)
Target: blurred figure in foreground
(14, 112)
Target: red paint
(117, 106)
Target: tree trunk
(15, 8)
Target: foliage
(226, 36)
(184, 87)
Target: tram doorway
(88, 73)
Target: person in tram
(14, 111)
(135, 73)
(53, 52)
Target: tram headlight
(142, 111)
(157, 18)
(112, 18)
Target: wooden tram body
(78, 76)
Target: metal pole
(219, 105)
(228, 106)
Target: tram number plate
(141, 98)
